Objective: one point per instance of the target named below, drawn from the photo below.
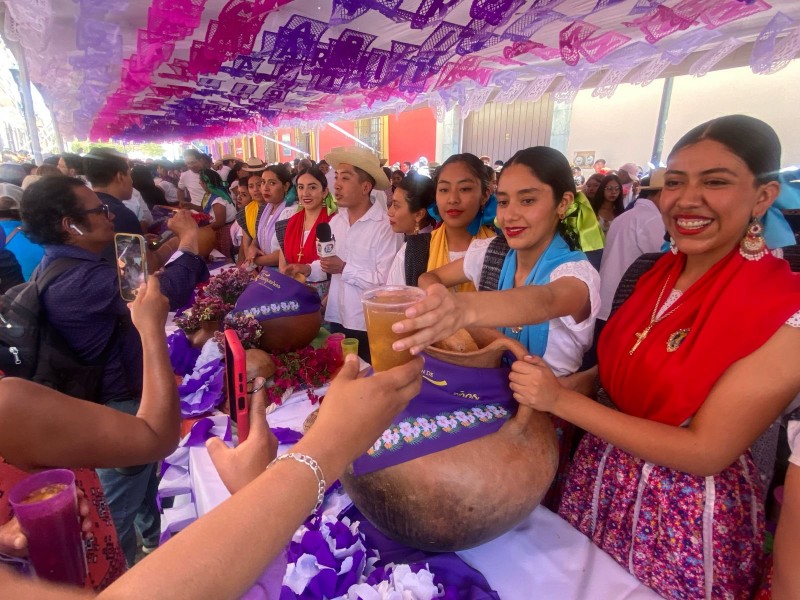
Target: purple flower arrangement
(229, 284)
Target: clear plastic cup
(383, 307)
(46, 506)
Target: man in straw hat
(365, 242)
(226, 164)
(639, 230)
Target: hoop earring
(753, 246)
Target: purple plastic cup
(52, 526)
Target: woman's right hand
(356, 411)
(432, 319)
(149, 310)
(294, 269)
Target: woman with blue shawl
(545, 223)
(218, 205)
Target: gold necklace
(641, 335)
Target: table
(542, 558)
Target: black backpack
(32, 349)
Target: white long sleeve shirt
(637, 231)
(368, 248)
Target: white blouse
(567, 341)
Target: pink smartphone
(236, 383)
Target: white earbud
(75, 228)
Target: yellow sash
(251, 218)
(439, 255)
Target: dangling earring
(753, 246)
(416, 228)
(673, 247)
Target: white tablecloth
(542, 558)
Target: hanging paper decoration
(538, 87)
(204, 69)
(579, 39)
(476, 98)
(620, 64)
(570, 85)
(711, 57)
(771, 54)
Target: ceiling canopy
(188, 69)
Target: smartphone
(236, 383)
(131, 264)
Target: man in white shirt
(228, 160)
(365, 242)
(639, 230)
(190, 190)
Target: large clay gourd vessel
(474, 492)
(280, 295)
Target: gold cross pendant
(300, 255)
(640, 338)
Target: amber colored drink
(46, 507)
(383, 307)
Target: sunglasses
(103, 208)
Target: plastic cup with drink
(383, 307)
(46, 506)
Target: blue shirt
(28, 254)
(84, 305)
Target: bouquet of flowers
(204, 309)
(229, 284)
(307, 368)
(247, 328)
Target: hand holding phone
(131, 264)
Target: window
(369, 132)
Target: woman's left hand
(534, 384)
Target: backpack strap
(418, 249)
(493, 264)
(15, 231)
(54, 269)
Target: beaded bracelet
(314, 466)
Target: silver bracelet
(314, 466)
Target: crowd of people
(656, 318)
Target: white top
(397, 272)
(230, 210)
(138, 206)
(286, 213)
(236, 234)
(190, 182)
(224, 171)
(331, 177)
(367, 247)
(637, 231)
(567, 341)
(170, 191)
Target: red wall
(329, 138)
(412, 134)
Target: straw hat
(656, 180)
(228, 156)
(254, 165)
(361, 158)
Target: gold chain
(641, 335)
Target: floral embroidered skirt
(682, 535)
